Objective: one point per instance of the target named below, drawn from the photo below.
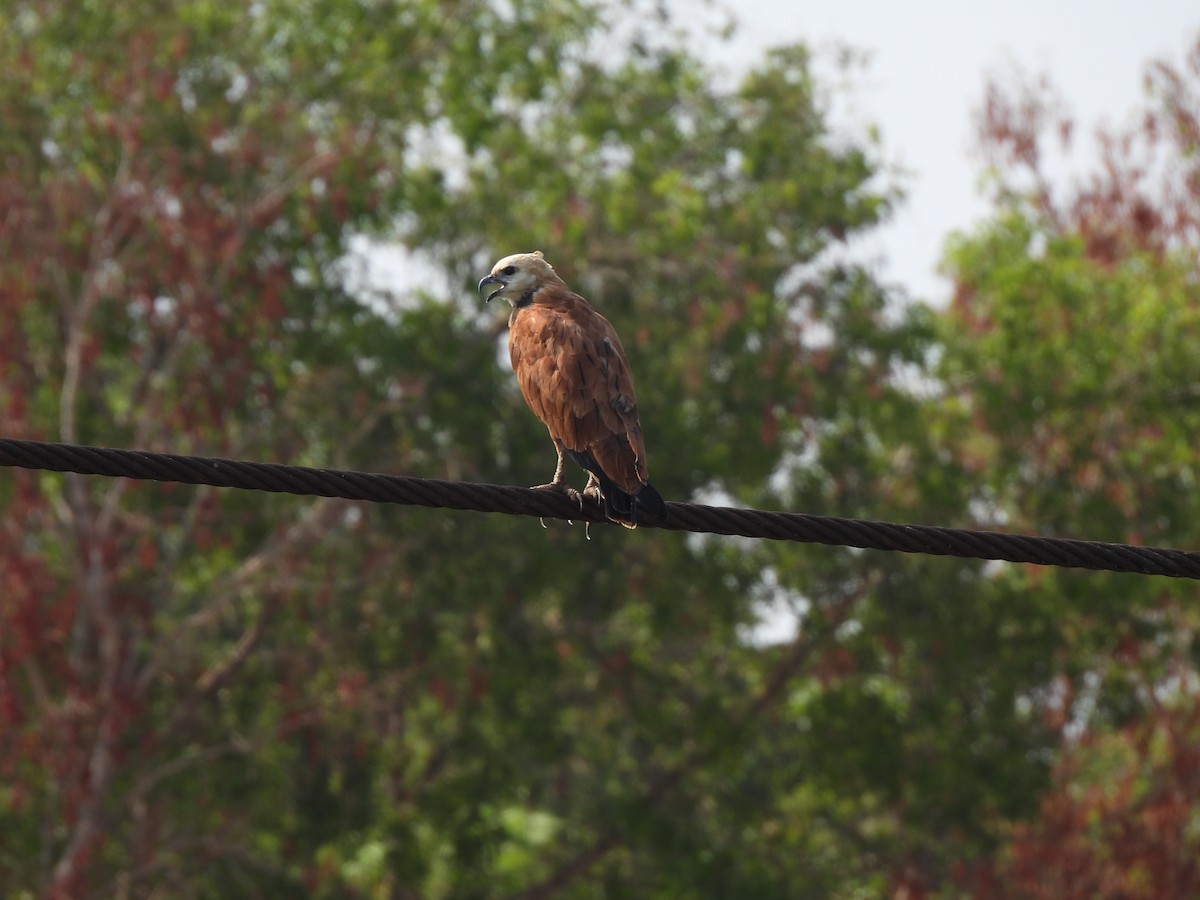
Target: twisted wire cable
(511, 500)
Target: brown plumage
(574, 376)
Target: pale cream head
(519, 275)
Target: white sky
(929, 63)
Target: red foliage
(144, 256)
(1120, 818)
(1146, 194)
(1119, 823)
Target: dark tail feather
(651, 501)
(624, 508)
(620, 506)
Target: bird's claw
(561, 487)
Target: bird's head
(519, 275)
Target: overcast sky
(929, 62)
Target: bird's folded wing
(574, 375)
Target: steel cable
(511, 500)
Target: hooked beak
(491, 279)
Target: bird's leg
(559, 483)
(593, 487)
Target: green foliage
(1069, 370)
(207, 693)
(1073, 376)
(1088, 369)
(238, 694)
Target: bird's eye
(509, 270)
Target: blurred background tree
(1072, 380)
(206, 693)
(211, 693)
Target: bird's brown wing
(575, 377)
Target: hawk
(575, 377)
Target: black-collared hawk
(576, 379)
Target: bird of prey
(574, 376)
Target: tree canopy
(214, 693)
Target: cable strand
(512, 500)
